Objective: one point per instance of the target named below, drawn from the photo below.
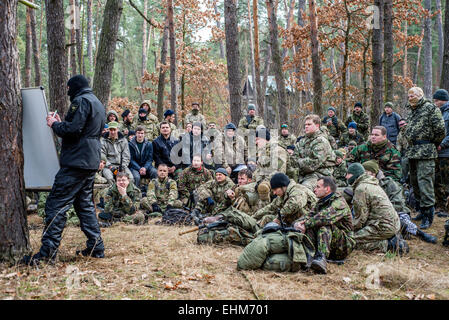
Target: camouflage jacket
(340, 173)
(424, 131)
(163, 193)
(233, 152)
(289, 140)
(120, 206)
(394, 192)
(291, 168)
(388, 157)
(247, 199)
(116, 151)
(401, 142)
(99, 179)
(190, 179)
(372, 206)
(151, 126)
(191, 118)
(296, 202)
(217, 191)
(332, 210)
(126, 125)
(253, 124)
(331, 139)
(346, 138)
(337, 127)
(363, 122)
(314, 154)
(270, 159)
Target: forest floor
(154, 262)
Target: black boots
(426, 237)
(398, 244)
(36, 259)
(446, 234)
(420, 214)
(319, 263)
(91, 253)
(427, 219)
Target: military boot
(39, 257)
(319, 263)
(263, 189)
(446, 235)
(426, 237)
(420, 215)
(428, 217)
(91, 253)
(397, 244)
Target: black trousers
(71, 186)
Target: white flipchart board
(41, 162)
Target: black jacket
(142, 159)
(161, 150)
(81, 131)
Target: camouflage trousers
(422, 179)
(441, 181)
(336, 244)
(407, 226)
(135, 218)
(405, 167)
(232, 234)
(370, 238)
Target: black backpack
(176, 216)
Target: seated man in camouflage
(376, 223)
(340, 170)
(245, 198)
(213, 196)
(293, 201)
(122, 203)
(162, 193)
(100, 184)
(396, 196)
(313, 155)
(329, 225)
(190, 179)
(351, 135)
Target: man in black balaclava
(79, 160)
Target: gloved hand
(156, 207)
(335, 121)
(210, 201)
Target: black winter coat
(142, 159)
(81, 131)
(161, 150)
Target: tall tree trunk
(378, 83)
(418, 58)
(57, 58)
(78, 39)
(233, 58)
(277, 63)
(144, 39)
(388, 49)
(162, 72)
(106, 49)
(266, 72)
(72, 47)
(28, 49)
(289, 19)
(439, 27)
(14, 236)
(365, 71)
(405, 64)
(260, 93)
(344, 68)
(316, 61)
(444, 82)
(427, 52)
(37, 67)
(253, 67)
(89, 38)
(172, 40)
(222, 51)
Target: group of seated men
(342, 199)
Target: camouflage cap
(113, 125)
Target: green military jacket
(372, 206)
(331, 139)
(424, 131)
(340, 173)
(386, 154)
(346, 138)
(217, 191)
(314, 154)
(191, 118)
(289, 140)
(401, 142)
(253, 124)
(296, 202)
(163, 192)
(190, 179)
(270, 159)
(335, 130)
(363, 122)
(151, 126)
(120, 206)
(331, 211)
(247, 199)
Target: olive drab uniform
(239, 231)
(375, 219)
(163, 193)
(337, 127)
(402, 146)
(331, 139)
(363, 123)
(385, 153)
(217, 192)
(330, 228)
(270, 159)
(314, 158)
(250, 123)
(189, 180)
(122, 125)
(295, 203)
(124, 208)
(424, 132)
